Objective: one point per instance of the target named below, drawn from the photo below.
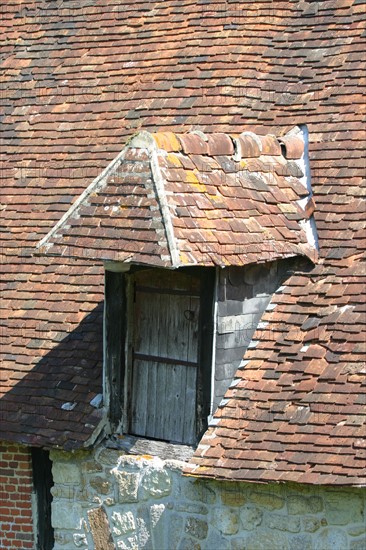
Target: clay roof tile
(270, 145)
(293, 146)
(250, 145)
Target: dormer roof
(174, 200)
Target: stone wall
(105, 500)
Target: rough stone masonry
(104, 499)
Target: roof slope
(192, 199)
(71, 95)
(296, 408)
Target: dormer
(196, 232)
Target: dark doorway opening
(42, 483)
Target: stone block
(63, 472)
(131, 543)
(343, 508)
(144, 528)
(297, 504)
(157, 483)
(128, 484)
(144, 535)
(80, 540)
(68, 492)
(226, 520)
(174, 530)
(233, 495)
(63, 540)
(331, 539)
(359, 544)
(266, 539)
(239, 543)
(301, 542)
(196, 528)
(66, 515)
(100, 485)
(123, 523)
(283, 523)
(357, 530)
(100, 529)
(268, 500)
(156, 512)
(157, 526)
(189, 544)
(91, 467)
(109, 457)
(191, 507)
(198, 491)
(216, 540)
(311, 524)
(251, 518)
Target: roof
(296, 408)
(71, 96)
(174, 200)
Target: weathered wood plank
(166, 354)
(115, 331)
(140, 446)
(139, 398)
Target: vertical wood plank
(115, 330)
(166, 326)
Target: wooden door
(165, 355)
